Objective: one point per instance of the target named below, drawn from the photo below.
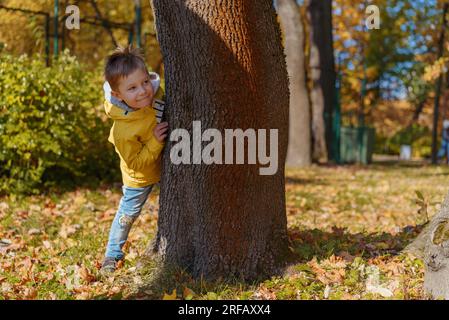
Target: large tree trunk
(224, 66)
(432, 245)
(322, 69)
(299, 142)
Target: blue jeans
(129, 209)
(444, 150)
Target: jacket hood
(117, 109)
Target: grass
(348, 226)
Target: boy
(130, 93)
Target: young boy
(130, 99)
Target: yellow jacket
(138, 149)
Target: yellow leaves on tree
(433, 71)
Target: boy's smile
(135, 90)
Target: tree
(438, 85)
(322, 68)
(432, 245)
(299, 145)
(224, 66)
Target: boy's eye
(132, 88)
(146, 81)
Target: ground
(347, 225)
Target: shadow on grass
(301, 181)
(380, 165)
(307, 244)
(160, 280)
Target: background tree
(439, 83)
(224, 66)
(322, 74)
(299, 143)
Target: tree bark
(432, 245)
(224, 66)
(322, 69)
(299, 142)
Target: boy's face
(135, 90)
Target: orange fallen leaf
(30, 293)
(188, 293)
(86, 275)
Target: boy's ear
(116, 94)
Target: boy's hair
(121, 63)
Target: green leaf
(419, 195)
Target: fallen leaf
(68, 230)
(378, 289)
(188, 293)
(34, 231)
(264, 294)
(5, 242)
(171, 296)
(3, 207)
(346, 256)
(23, 214)
(90, 206)
(30, 293)
(34, 208)
(47, 244)
(327, 292)
(86, 275)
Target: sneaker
(109, 265)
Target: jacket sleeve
(138, 155)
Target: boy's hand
(160, 131)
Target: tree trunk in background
(438, 84)
(322, 68)
(299, 142)
(225, 67)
